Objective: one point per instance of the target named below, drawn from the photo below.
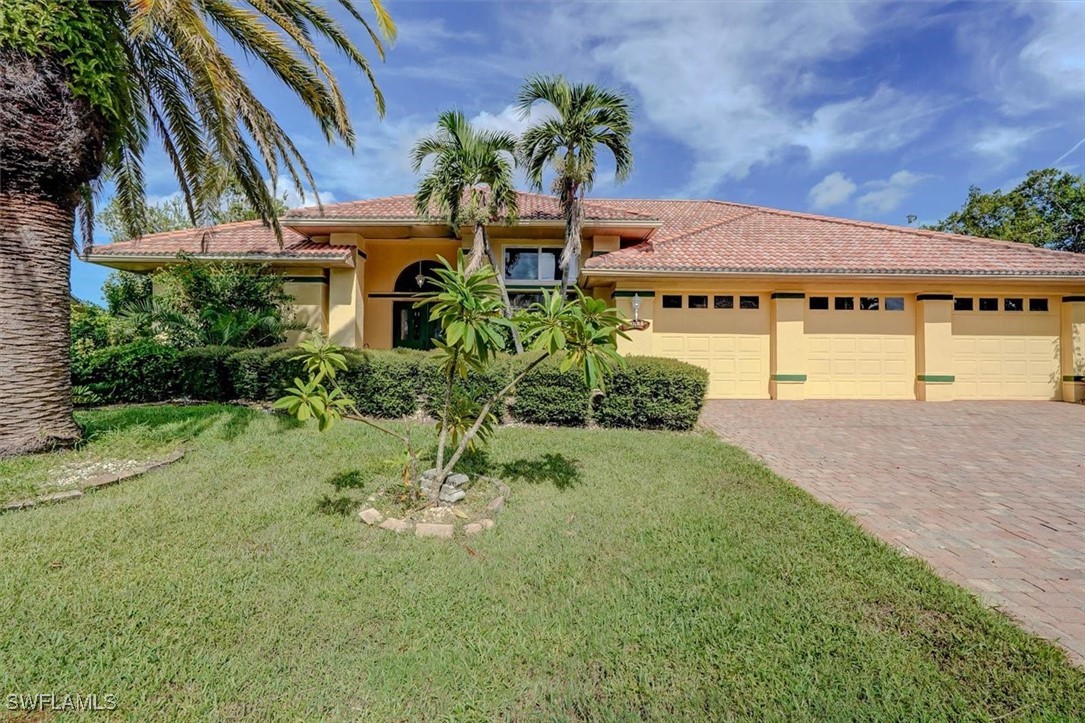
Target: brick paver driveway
(992, 494)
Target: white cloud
(833, 190)
(885, 196)
(1030, 62)
(1003, 144)
(738, 84)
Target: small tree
(469, 309)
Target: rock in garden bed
(464, 505)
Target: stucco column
(1072, 346)
(346, 295)
(788, 345)
(934, 347)
(639, 342)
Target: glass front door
(411, 326)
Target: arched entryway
(411, 325)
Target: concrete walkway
(992, 494)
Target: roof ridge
(700, 229)
(189, 229)
(920, 232)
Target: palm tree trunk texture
(570, 256)
(500, 273)
(51, 144)
(477, 253)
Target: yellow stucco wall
(925, 350)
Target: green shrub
(262, 374)
(653, 393)
(204, 373)
(478, 385)
(383, 383)
(143, 371)
(550, 396)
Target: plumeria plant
(470, 311)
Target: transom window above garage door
(718, 301)
(857, 303)
(997, 303)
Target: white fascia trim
(833, 274)
(107, 259)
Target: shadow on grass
(343, 505)
(351, 479)
(168, 422)
(556, 469)
(287, 422)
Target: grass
(632, 576)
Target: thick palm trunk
(50, 145)
(35, 295)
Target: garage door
(727, 334)
(860, 347)
(1005, 348)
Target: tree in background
(470, 184)
(587, 116)
(171, 214)
(83, 87)
(222, 303)
(1046, 209)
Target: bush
(478, 385)
(143, 371)
(383, 383)
(204, 373)
(260, 375)
(653, 393)
(550, 396)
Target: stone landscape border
(441, 530)
(94, 483)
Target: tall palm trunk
(574, 221)
(52, 143)
(499, 272)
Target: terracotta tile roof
(533, 207)
(244, 238)
(713, 236)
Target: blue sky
(861, 110)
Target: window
(869, 303)
(963, 304)
(749, 302)
(698, 302)
(532, 265)
(894, 303)
(672, 301)
(1013, 304)
(988, 304)
(843, 303)
(723, 302)
(1037, 304)
(819, 303)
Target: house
(775, 304)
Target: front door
(411, 326)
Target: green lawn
(633, 575)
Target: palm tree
(83, 87)
(587, 116)
(470, 184)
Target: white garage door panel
(1006, 355)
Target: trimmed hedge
(142, 371)
(204, 373)
(548, 395)
(649, 393)
(653, 393)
